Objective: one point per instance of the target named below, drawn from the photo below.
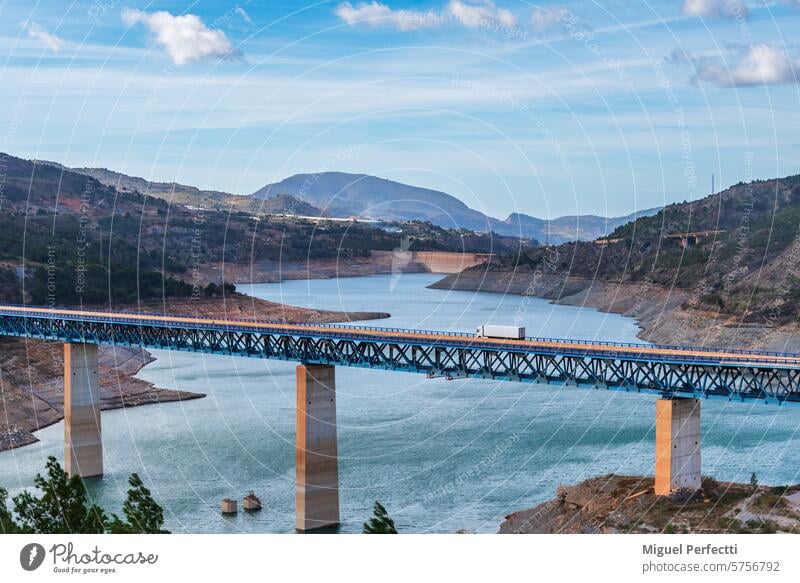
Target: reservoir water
(440, 455)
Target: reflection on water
(440, 455)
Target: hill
(76, 239)
(289, 205)
(171, 192)
(570, 228)
(731, 262)
(340, 194)
(337, 194)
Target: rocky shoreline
(664, 315)
(627, 504)
(31, 371)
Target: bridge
(681, 376)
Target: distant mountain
(571, 228)
(341, 194)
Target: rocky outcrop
(627, 504)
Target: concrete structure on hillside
(448, 262)
(689, 240)
(604, 242)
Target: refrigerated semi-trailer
(494, 331)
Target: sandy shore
(663, 315)
(31, 371)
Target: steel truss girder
(730, 381)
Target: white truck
(494, 331)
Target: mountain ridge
(172, 192)
(380, 198)
(342, 194)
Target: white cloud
(715, 8)
(480, 14)
(51, 41)
(184, 37)
(483, 13)
(758, 64)
(377, 14)
(545, 18)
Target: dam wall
(447, 262)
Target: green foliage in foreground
(64, 507)
(142, 513)
(7, 524)
(380, 523)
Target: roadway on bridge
(728, 357)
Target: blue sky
(544, 108)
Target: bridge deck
(743, 358)
(742, 375)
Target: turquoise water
(441, 455)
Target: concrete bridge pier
(677, 445)
(83, 444)
(316, 455)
